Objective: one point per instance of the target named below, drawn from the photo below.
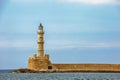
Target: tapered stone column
(40, 41)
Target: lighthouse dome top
(40, 27)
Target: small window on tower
(40, 38)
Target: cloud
(19, 44)
(82, 45)
(57, 45)
(92, 1)
(72, 1)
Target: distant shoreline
(25, 70)
(6, 70)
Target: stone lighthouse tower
(40, 41)
(39, 61)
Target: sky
(76, 31)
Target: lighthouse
(40, 41)
(40, 61)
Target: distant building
(41, 61)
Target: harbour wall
(87, 67)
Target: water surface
(60, 76)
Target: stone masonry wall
(38, 64)
(87, 67)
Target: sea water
(60, 76)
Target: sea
(7, 75)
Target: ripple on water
(60, 76)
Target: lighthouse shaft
(40, 41)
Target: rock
(24, 70)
